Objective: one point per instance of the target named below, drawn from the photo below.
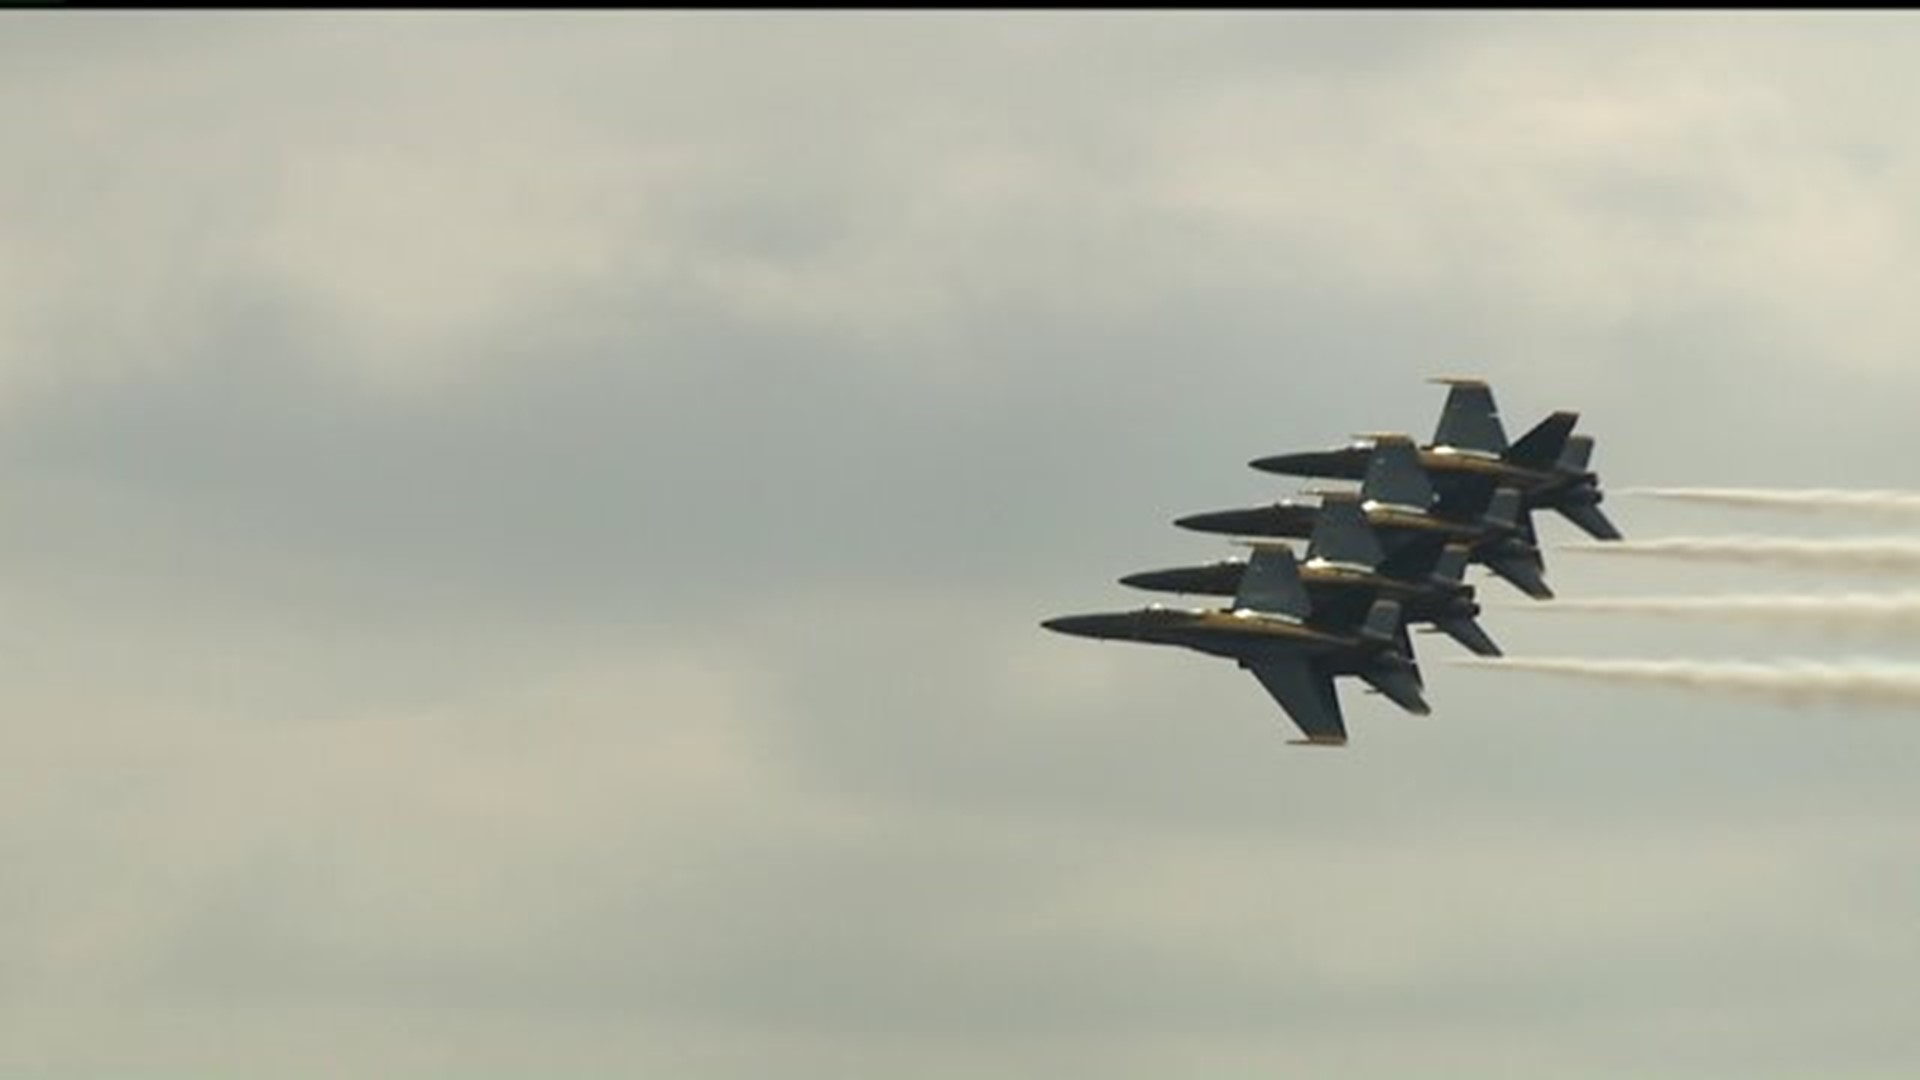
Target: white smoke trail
(1790, 681)
(1902, 502)
(1842, 611)
(1889, 554)
(1886, 502)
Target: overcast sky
(525, 539)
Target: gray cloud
(526, 536)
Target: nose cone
(1284, 464)
(1092, 626)
(1218, 579)
(1157, 580)
(1280, 519)
(1342, 464)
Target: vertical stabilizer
(1578, 451)
(1503, 511)
(1395, 476)
(1271, 584)
(1468, 420)
(1342, 536)
(1451, 567)
(1383, 622)
(1521, 568)
(1546, 444)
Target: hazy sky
(526, 537)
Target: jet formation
(1392, 554)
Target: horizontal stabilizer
(1592, 521)
(1398, 684)
(1524, 571)
(1545, 444)
(1469, 633)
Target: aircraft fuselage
(1423, 601)
(1232, 634)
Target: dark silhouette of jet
(1342, 577)
(1469, 458)
(1273, 631)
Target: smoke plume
(1885, 502)
(1789, 681)
(1842, 611)
(1888, 554)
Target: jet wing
(1306, 693)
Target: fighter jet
(1470, 457)
(1398, 501)
(1342, 576)
(1271, 630)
